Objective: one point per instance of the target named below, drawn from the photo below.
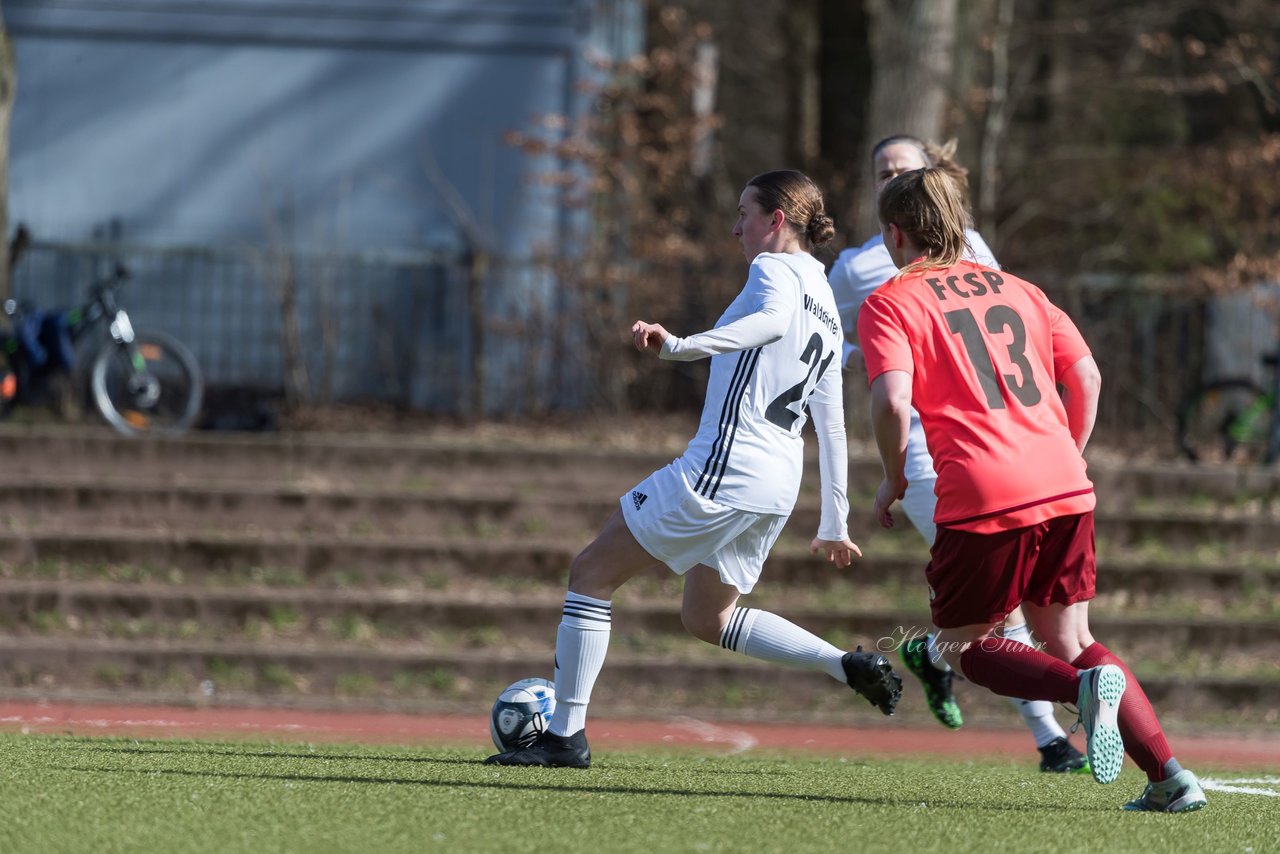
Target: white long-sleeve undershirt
(771, 308)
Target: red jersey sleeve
(1066, 340)
(882, 334)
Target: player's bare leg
(1057, 755)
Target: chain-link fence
(1147, 336)
(396, 329)
(467, 336)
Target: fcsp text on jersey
(978, 288)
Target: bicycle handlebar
(118, 276)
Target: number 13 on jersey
(998, 319)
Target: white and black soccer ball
(521, 712)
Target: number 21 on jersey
(787, 408)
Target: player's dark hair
(800, 201)
(941, 156)
(897, 138)
(928, 206)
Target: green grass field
(62, 794)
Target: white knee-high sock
(1038, 714)
(935, 654)
(581, 643)
(763, 635)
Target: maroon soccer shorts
(980, 578)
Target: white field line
(1235, 787)
(738, 740)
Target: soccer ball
(521, 712)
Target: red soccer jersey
(984, 349)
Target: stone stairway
(425, 573)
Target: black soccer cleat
(1060, 757)
(549, 751)
(870, 674)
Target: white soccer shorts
(682, 529)
(920, 500)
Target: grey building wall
(363, 140)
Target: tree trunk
(846, 71)
(913, 45)
(843, 62)
(996, 124)
(803, 40)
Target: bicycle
(1232, 420)
(141, 382)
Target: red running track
(677, 732)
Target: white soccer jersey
(859, 271)
(775, 350)
(857, 274)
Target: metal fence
(445, 333)
(396, 329)
(1148, 340)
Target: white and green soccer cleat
(1179, 793)
(1099, 702)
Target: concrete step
(293, 560)
(77, 503)
(548, 460)
(497, 619)
(347, 460)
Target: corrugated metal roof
(476, 25)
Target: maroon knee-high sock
(1144, 740)
(1013, 669)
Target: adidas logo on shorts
(638, 498)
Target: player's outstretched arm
(771, 298)
(754, 330)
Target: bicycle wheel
(160, 396)
(1228, 421)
